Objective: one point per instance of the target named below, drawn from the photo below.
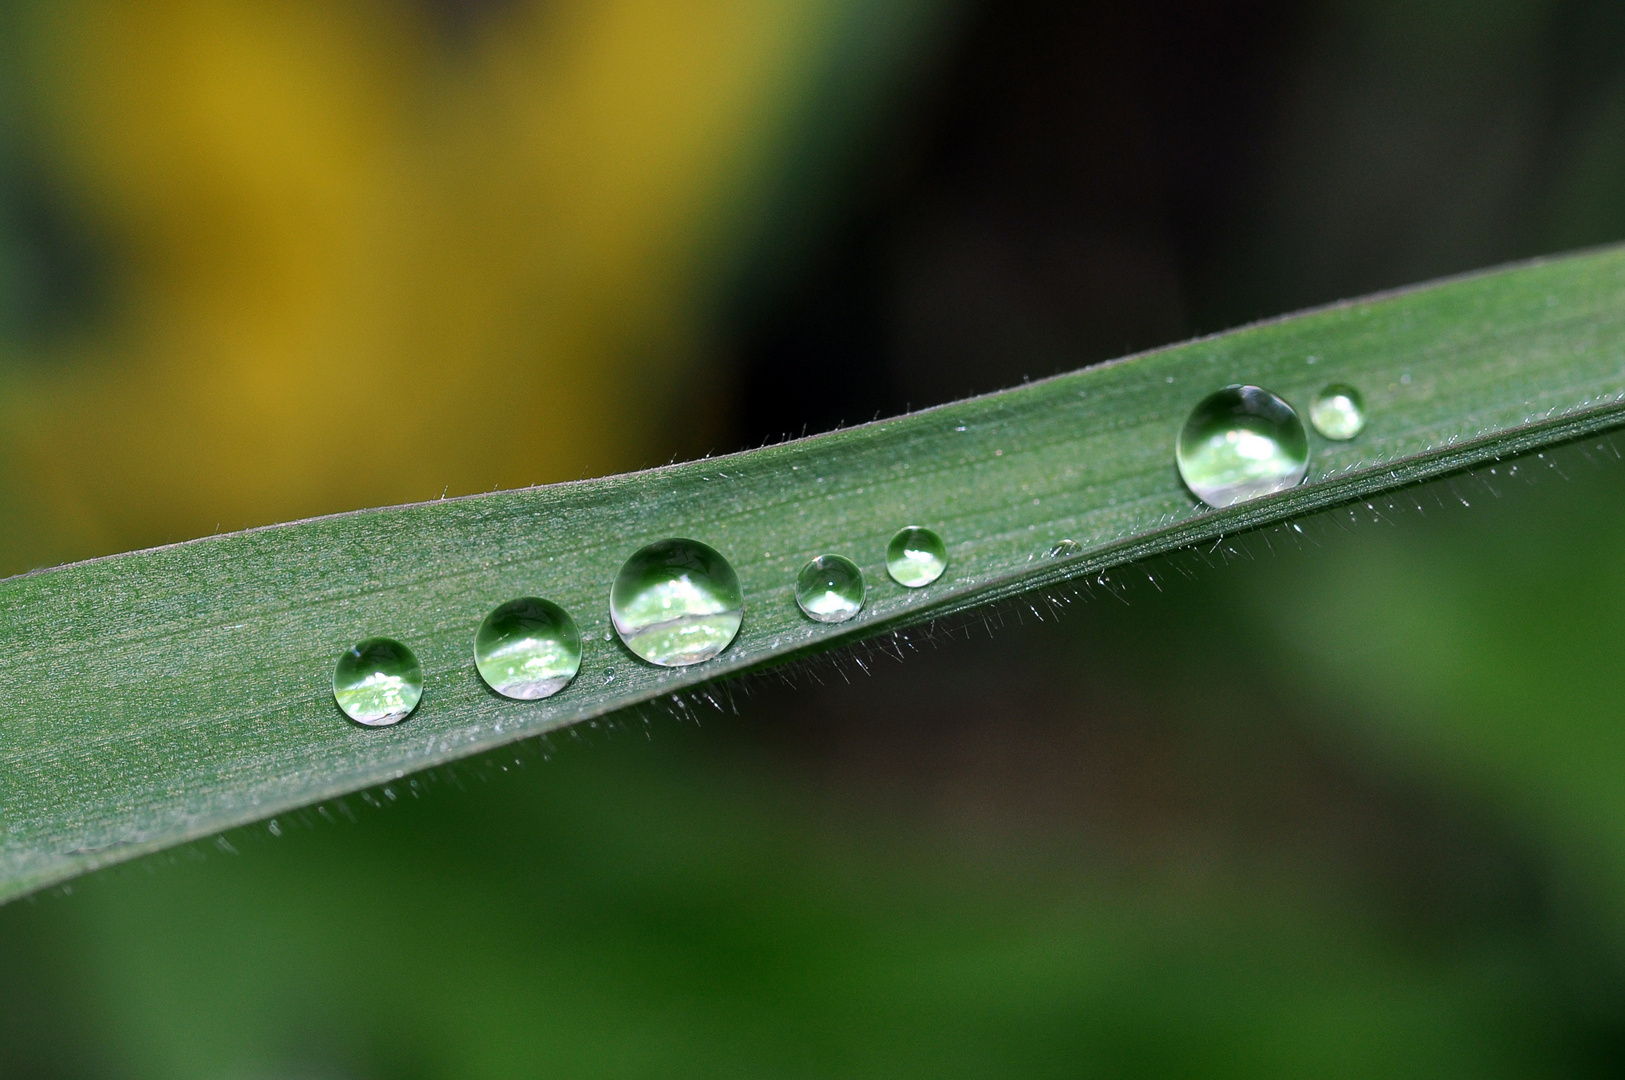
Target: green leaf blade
(159, 696)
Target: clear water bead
(830, 589)
(677, 602)
(1338, 412)
(528, 649)
(916, 557)
(1240, 443)
(1064, 549)
(378, 682)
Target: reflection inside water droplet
(378, 682)
(677, 602)
(1064, 549)
(830, 589)
(1240, 443)
(1338, 412)
(528, 649)
(916, 557)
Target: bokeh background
(1349, 802)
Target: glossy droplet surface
(676, 602)
(1240, 443)
(830, 589)
(1338, 412)
(528, 649)
(378, 682)
(916, 557)
(1064, 549)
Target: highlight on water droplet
(1338, 412)
(528, 649)
(916, 557)
(676, 602)
(1064, 549)
(378, 682)
(1240, 443)
(830, 589)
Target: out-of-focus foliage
(356, 253)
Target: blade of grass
(162, 695)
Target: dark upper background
(1344, 807)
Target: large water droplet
(830, 589)
(1241, 442)
(378, 682)
(676, 602)
(916, 557)
(528, 649)
(1338, 412)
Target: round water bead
(1240, 443)
(1064, 549)
(676, 602)
(528, 649)
(1338, 412)
(830, 589)
(378, 682)
(916, 557)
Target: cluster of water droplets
(675, 602)
(678, 601)
(1244, 442)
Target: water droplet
(676, 602)
(378, 682)
(1065, 549)
(1241, 442)
(528, 649)
(830, 589)
(1338, 412)
(915, 557)
(608, 636)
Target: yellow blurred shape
(366, 266)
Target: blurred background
(1352, 805)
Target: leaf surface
(162, 695)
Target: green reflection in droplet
(830, 589)
(916, 557)
(1240, 443)
(676, 602)
(1338, 412)
(528, 649)
(378, 682)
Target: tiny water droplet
(608, 636)
(916, 557)
(1338, 412)
(677, 602)
(609, 676)
(1064, 549)
(528, 649)
(830, 589)
(1240, 443)
(378, 682)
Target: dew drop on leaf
(916, 557)
(378, 682)
(829, 589)
(1240, 443)
(1338, 412)
(528, 649)
(677, 602)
